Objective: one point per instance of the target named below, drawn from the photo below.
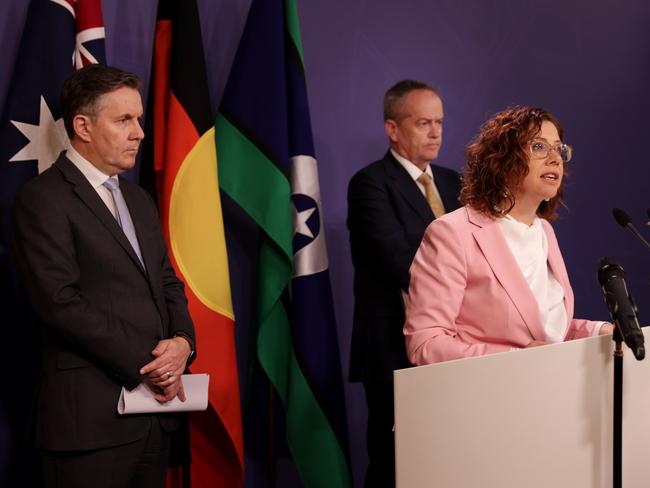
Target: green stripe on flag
(247, 175)
(313, 444)
(293, 26)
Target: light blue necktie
(123, 215)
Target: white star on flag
(300, 220)
(46, 140)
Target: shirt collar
(518, 226)
(94, 176)
(411, 168)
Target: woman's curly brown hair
(497, 162)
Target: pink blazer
(468, 297)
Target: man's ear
(82, 127)
(391, 129)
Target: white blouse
(529, 247)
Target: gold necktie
(432, 196)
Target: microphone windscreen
(608, 268)
(621, 217)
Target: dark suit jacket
(101, 312)
(387, 217)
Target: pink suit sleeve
(580, 328)
(436, 294)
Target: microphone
(624, 220)
(621, 305)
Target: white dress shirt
(416, 172)
(95, 177)
(529, 247)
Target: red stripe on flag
(88, 14)
(212, 465)
(181, 136)
(216, 438)
(161, 91)
(214, 332)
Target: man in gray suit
(91, 255)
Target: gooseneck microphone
(624, 220)
(621, 305)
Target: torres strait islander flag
(268, 167)
(185, 167)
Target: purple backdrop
(587, 63)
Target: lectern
(539, 417)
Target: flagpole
(271, 441)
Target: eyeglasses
(540, 150)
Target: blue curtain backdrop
(588, 63)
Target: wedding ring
(169, 375)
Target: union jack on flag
(89, 27)
(59, 36)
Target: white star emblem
(300, 220)
(46, 140)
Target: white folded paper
(141, 398)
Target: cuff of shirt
(599, 326)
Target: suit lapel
(141, 224)
(148, 238)
(498, 255)
(448, 190)
(407, 188)
(91, 199)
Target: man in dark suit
(91, 255)
(390, 204)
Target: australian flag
(59, 36)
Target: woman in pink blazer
(489, 277)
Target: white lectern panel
(538, 417)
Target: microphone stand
(618, 410)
